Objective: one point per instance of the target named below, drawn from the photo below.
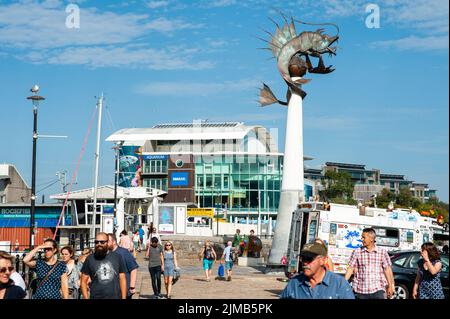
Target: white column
(292, 187)
(120, 216)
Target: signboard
(108, 224)
(20, 216)
(128, 164)
(200, 212)
(155, 157)
(179, 179)
(166, 219)
(181, 219)
(108, 209)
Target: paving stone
(247, 282)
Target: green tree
(384, 198)
(338, 187)
(406, 199)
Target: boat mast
(97, 158)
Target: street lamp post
(259, 213)
(35, 100)
(217, 216)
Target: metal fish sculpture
(289, 49)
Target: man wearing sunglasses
(315, 281)
(106, 269)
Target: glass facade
(154, 166)
(159, 183)
(233, 182)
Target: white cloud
(157, 4)
(415, 43)
(165, 25)
(220, 3)
(36, 32)
(196, 88)
(127, 56)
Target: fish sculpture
(293, 52)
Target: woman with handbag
(52, 281)
(73, 274)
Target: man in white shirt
(18, 280)
(228, 259)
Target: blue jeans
(155, 274)
(380, 294)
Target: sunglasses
(168, 245)
(5, 269)
(101, 242)
(48, 249)
(307, 259)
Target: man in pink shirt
(371, 267)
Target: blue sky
(385, 106)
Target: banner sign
(179, 179)
(155, 157)
(200, 212)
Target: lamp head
(35, 88)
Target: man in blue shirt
(131, 265)
(315, 282)
(141, 238)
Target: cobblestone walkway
(247, 282)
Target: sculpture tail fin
(266, 97)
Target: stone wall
(188, 248)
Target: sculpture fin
(266, 97)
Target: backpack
(208, 254)
(221, 271)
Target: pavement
(246, 283)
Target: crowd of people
(369, 273)
(109, 271)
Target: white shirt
(18, 280)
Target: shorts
(207, 264)
(229, 264)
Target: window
(225, 182)
(400, 261)
(158, 183)
(387, 236)
(155, 167)
(200, 183)
(413, 261)
(444, 261)
(209, 181)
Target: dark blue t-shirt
(130, 264)
(104, 273)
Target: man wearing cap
(316, 282)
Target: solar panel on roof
(191, 125)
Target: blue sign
(20, 216)
(179, 179)
(155, 157)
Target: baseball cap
(314, 249)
